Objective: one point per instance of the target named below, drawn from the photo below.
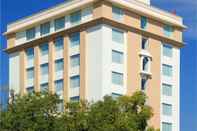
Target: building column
(22, 72)
(51, 67)
(37, 69)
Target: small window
(117, 78)
(75, 81)
(44, 48)
(30, 90)
(166, 126)
(75, 39)
(30, 53)
(44, 87)
(59, 23)
(44, 69)
(117, 57)
(75, 99)
(167, 90)
(144, 43)
(143, 22)
(145, 66)
(59, 65)
(60, 106)
(30, 33)
(167, 109)
(144, 83)
(59, 85)
(167, 50)
(115, 95)
(168, 30)
(118, 36)
(75, 60)
(167, 70)
(117, 13)
(75, 18)
(30, 73)
(45, 28)
(59, 43)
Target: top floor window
(75, 18)
(168, 30)
(167, 50)
(45, 28)
(30, 33)
(144, 22)
(117, 13)
(59, 23)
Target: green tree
(38, 112)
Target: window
(75, 60)
(59, 85)
(117, 78)
(59, 23)
(75, 99)
(145, 66)
(60, 106)
(117, 57)
(30, 90)
(167, 50)
(30, 73)
(30, 33)
(168, 30)
(75, 18)
(115, 95)
(44, 87)
(117, 36)
(44, 48)
(167, 70)
(143, 22)
(144, 83)
(75, 81)
(44, 69)
(117, 13)
(166, 126)
(30, 53)
(74, 39)
(45, 28)
(167, 90)
(59, 65)
(144, 43)
(167, 109)
(59, 43)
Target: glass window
(59, 43)
(75, 81)
(144, 43)
(30, 33)
(115, 95)
(144, 83)
(44, 48)
(168, 30)
(44, 69)
(166, 126)
(59, 65)
(167, 50)
(145, 66)
(143, 22)
(75, 99)
(30, 53)
(167, 90)
(60, 106)
(167, 70)
(30, 90)
(59, 23)
(75, 18)
(30, 73)
(74, 39)
(118, 36)
(45, 28)
(167, 109)
(75, 60)
(117, 78)
(59, 85)
(117, 13)
(44, 87)
(117, 57)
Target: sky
(11, 10)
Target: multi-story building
(86, 49)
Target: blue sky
(12, 10)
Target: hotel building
(86, 49)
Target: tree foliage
(39, 112)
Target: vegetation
(39, 112)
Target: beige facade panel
(37, 69)
(22, 72)
(51, 67)
(11, 40)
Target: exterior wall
(145, 1)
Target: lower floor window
(115, 95)
(30, 90)
(75, 99)
(166, 126)
(44, 87)
(117, 78)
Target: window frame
(45, 28)
(30, 33)
(120, 57)
(121, 75)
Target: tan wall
(11, 40)
(51, 67)
(22, 72)
(37, 68)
